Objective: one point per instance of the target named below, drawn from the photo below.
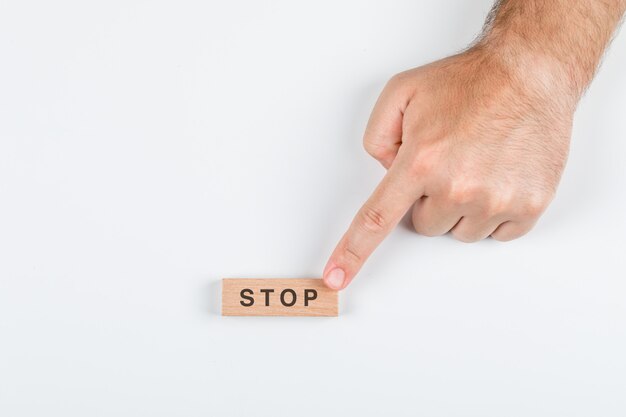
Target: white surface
(149, 148)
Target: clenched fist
(474, 144)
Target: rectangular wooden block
(278, 297)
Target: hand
(473, 144)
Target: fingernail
(335, 278)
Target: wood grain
(278, 297)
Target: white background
(150, 148)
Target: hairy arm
(475, 144)
(567, 36)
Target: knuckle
(396, 80)
(423, 229)
(422, 162)
(417, 168)
(372, 220)
(463, 192)
(531, 210)
(376, 149)
(534, 205)
(483, 208)
(498, 203)
(465, 237)
(398, 83)
(425, 225)
(351, 256)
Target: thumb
(379, 215)
(383, 134)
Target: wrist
(536, 71)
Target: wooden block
(277, 297)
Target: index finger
(374, 221)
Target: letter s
(247, 297)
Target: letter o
(293, 297)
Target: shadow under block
(278, 297)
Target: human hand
(474, 143)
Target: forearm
(563, 39)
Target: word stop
(286, 294)
(278, 297)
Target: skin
(475, 144)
